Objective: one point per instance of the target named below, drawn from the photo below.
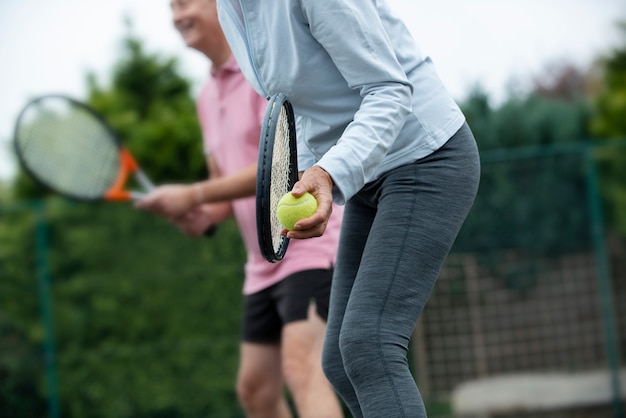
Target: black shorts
(268, 311)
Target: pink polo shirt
(231, 113)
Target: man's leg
(260, 382)
(302, 365)
(302, 303)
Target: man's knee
(255, 393)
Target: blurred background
(107, 312)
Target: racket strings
(68, 148)
(281, 169)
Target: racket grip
(210, 231)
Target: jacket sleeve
(356, 39)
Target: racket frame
(264, 210)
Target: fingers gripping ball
(291, 209)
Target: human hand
(197, 222)
(318, 182)
(170, 201)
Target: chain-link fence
(526, 317)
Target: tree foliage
(20, 330)
(609, 121)
(146, 320)
(550, 114)
(149, 106)
(524, 147)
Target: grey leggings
(396, 234)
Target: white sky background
(48, 46)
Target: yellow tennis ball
(291, 209)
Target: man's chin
(190, 40)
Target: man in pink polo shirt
(286, 303)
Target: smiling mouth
(185, 27)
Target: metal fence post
(45, 302)
(604, 284)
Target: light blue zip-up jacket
(366, 100)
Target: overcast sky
(48, 45)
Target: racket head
(69, 148)
(277, 172)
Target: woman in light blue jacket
(379, 133)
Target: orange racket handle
(128, 165)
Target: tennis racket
(69, 148)
(277, 172)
